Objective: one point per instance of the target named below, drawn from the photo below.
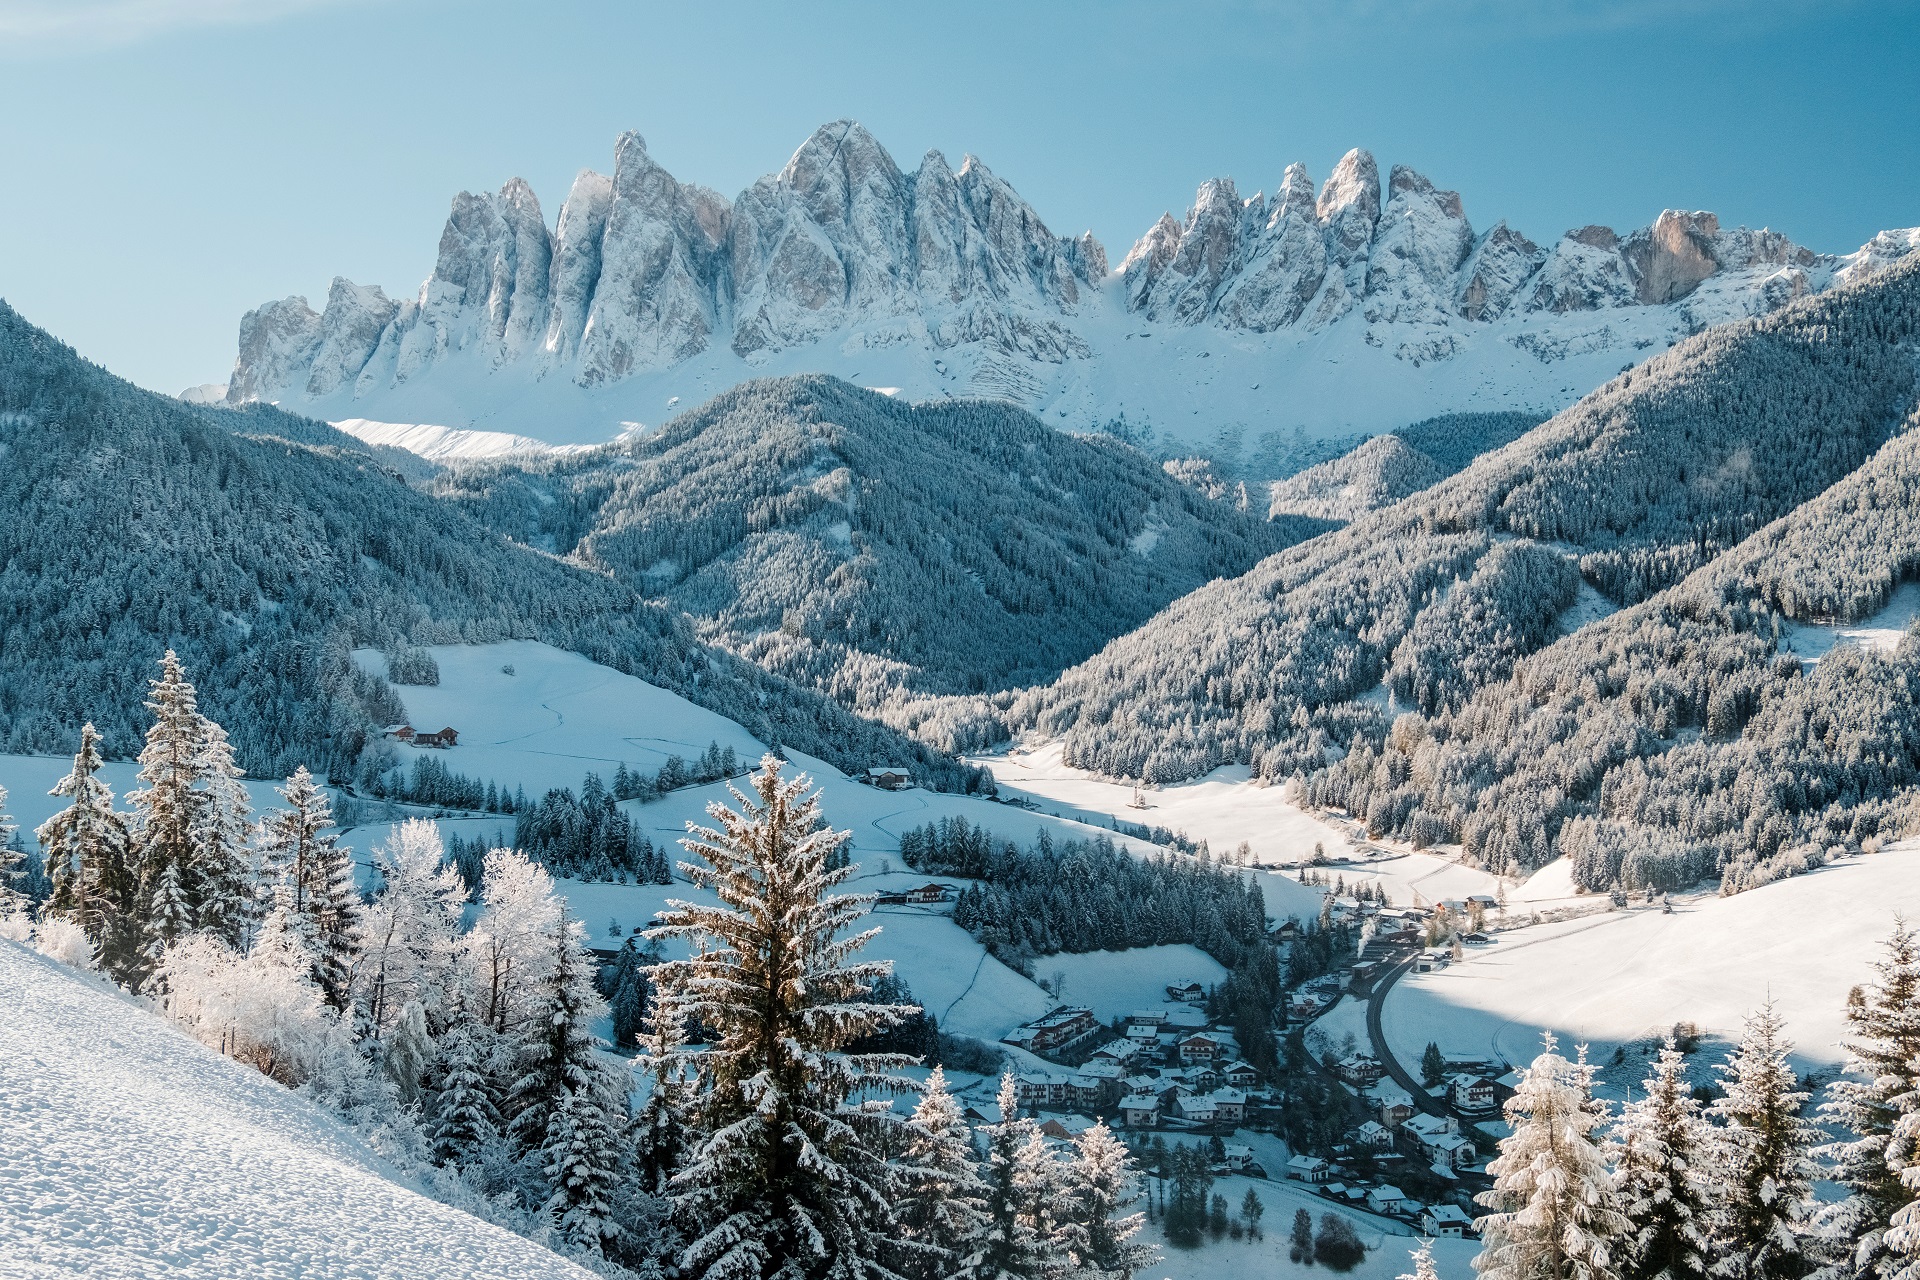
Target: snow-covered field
(128, 1150)
(1616, 977)
(1882, 632)
(1116, 983)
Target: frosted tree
(942, 1208)
(786, 1177)
(508, 953)
(12, 901)
(567, 1109)
(1660, 1176)
(309, 875)
(166, 809)
(1881, 1087)
(219, 833)
(1556, 1215)
(1423, 1268)
(86, 846)
(1018, 1244)
(465, 1121)
(410, 932)
(1764, 1171)
(1097, 1233)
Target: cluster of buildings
(1160, 1072)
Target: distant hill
(879, 550)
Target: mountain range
(1357, 307)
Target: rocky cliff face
(642, 271)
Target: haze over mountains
(1357, 307)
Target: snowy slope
(1364, 309)
(1616, 977)
(128, 1150)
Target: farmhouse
(1307, 1169)
(1445, 1220)
(1186, 992)
(1387, 1199)
(1140, 1110)
(927, 893)
(441, 739)
(1241, 1074)
(1360, 1070)
(1472, 1094)
(889, 777)
(1200, 1048)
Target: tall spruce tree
(306, 871)
(1880, 1087)
(87, 847)
(1098, 1233)
(943, 1214)
(1018, 1244)
(465, 1121)
(1557, 1217)
(1764, 1173)
(220, 831)
(786, 1176)
(165, 811)
(1659, 1173)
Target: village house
(1431, 961)
(1438, 1141)
(929, 893)
(1119, 1051)
(1241, 1075)
(1034, 1089)
(1198, 1108)
(1359, 1070)
(1229, 1106)
(1062, 1028)
(398, 732)
(1445, 1220)
(1472, 1094)
(1483, 901)
(1374, 1134)
(440, 739)
(889, 777)
(1140, 1111)
(1200, 1048)
(1186, 992)
(1395, 1105)
(1387, 1199)
(1307, 1169)
(1238, 1156)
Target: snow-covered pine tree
(662, 1129)
(1557, 1217)
(1099, 1188)
(1763, 1182)
(786, 1178)
(309, 874)
(943, 1214)
(410, 932)
(219, 832)
(86, 847)
(1881, 1085)
(1423, 1268)
(1040, 1183)
(562, 1104)
(465, 1120)
(1015, 1246)
(1659, 1173)
(12, 900)
(165, 811)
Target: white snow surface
(1616, 977)
(1881, 633)
(1116, 983)
(129, 1150)
(438, 443)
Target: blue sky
(170, 163)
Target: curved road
(1401, 1076)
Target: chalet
(1186, 992)
(1229, 1106)
(1305, 1006)
(1307, 1169)
(928, 893)
(1472, 1095)
(1454, 906)
(1445, 1220)
(1201, 1077)
(1118, 1051)
(441, 739)
(1032, 1089)
(1147, 1018)
(1064, 1128)
(1140, 1111)
(1438, 1140)
(1241, 1074)
(889, 778)
(1387, 1199)
(1484, 901)
(1430, 961)
(1198, 1108)
(398, 732)
(1238, 1156)
(1360, 1070)
(1285, 931)
(1068, 1025)
(1140, 1084)
(1143, 1033)
(1396, 1107)
(1477, 939)
(1200, 1048)
(1091, 1093)
(1373, 1134)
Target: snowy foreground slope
(128, 1150)
(1617, 977)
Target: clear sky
(167, 164)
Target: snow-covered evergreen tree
(1097, 1233)
(1763, 1183)
(220, 831)
(410, 932)
(1557, 1217)
(942, 1210)
(86, 846)
(1660, 1175)
(465, 1120)
(309, 875)
(1018, 1244)
(165, 811)
(566, 1109)
(1040, 1186)
(1423, 1268)
(12, 900)
(1881, 1085)
(786, 1177)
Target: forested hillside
(135, 523)
(880, 550)
(1643, 481)
(1680, 738)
